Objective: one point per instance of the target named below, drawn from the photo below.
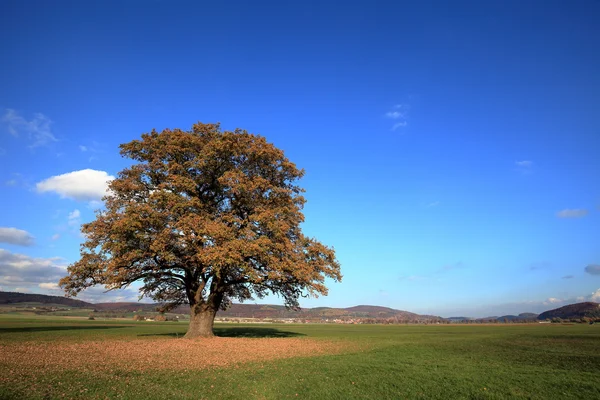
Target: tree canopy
(203, 217)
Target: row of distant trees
(159, 317)
(583, 320)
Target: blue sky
(451, 152)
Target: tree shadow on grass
(254, 332)
(24, 329)
(238, 332)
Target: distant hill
(15, 297)
(459, 319)
(528, 315)
(362, 311)
(236, 310)
(573, 311)
(146, 307)
(520, 317)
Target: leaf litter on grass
(158, 354)
(33, 365)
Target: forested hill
(573, 311)
(15, 297)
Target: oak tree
(203, 217)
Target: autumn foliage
(203, 217)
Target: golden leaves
(209, 205)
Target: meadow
(69, 357)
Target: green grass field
(370, 362)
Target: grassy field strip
(379, 362)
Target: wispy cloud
(74, 218)
(524, 164)
(536, 266)
(568, 277)
(453, 266)
(93, 148)
(537, 306)
(525, 167)
(572, 213)
(399, 114)
(432, 204)
(434, 275)
(37, 130)
(593, 269)
(16, 179)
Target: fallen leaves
(156, 354)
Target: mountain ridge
(236, 310)
(362, 311)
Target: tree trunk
(201, 322)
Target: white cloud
(98, 294)
(16, 236)
(593, 269)
(572, 213)
(553, 300)
(83, 148)
(37, 130)
(56, 236)
(433, 204)
(83, 185)
(556, 302)
(20, 271)
(49, 286)
(398, 113)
